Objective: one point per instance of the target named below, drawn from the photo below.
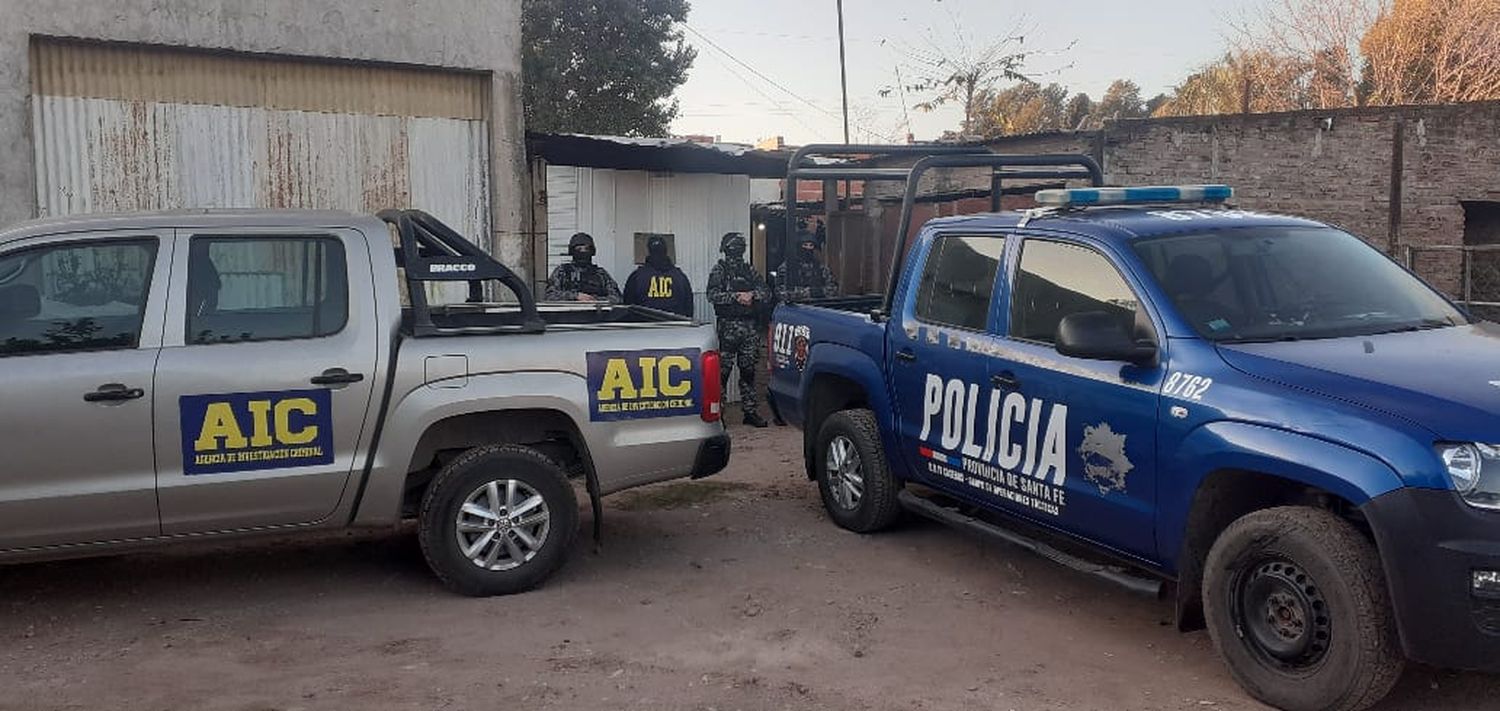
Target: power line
(777, 104)
(777, 84)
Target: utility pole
(843, 85)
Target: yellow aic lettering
(661, 287)
(284, 432)
(671, 385)
(664, 377)
(617, 381)
(270, 424)
(220, 430)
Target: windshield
(1290, 283)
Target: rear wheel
(1297, 607)
(498, 520)
(859, 491)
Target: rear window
(277, 288)
(958, 281)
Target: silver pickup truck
(172, 376)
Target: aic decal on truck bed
(248, 431)
(646, 383)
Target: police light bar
(1078, 197)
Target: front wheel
(498, 520)
(858, 488)
(1297, 607)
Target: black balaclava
(581, 249)
(807, 246)
(656, 253)
(733, 246)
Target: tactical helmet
(732, 238)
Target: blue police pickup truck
(1261, 414)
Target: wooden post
(536, 227)
(1398, 166)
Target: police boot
(753, 419)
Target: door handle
(114, 392)
(337, 376)
(907, 355)
(1005, 379)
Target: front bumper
(713, 456)
(1431, 543)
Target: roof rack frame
(451, 257)
(1059, 166)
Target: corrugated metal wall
(613, 205)
(120, 127)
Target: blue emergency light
(1079, 197)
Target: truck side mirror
(1097, 335)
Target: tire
(861, 497)
(1298, 609)
(446, 528)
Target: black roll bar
(1058, 166)
(432, 251)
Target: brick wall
(1331, 165)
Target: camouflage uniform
(571, 279)
(739, 326)
(803, 279)
(582, 275)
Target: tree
(603, 66)
(1321, 37)
(1122, 100)
(947, 77)
(1023, 108)
(1256, 81)
(1078, 110)
(1433, 51)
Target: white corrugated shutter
(124, 127)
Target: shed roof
(676, 155)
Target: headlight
(1474, 470)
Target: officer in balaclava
(659, 284)
(739, 295)
(581, 279)
(803, 276)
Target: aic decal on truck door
(625, 385)
(1011, 447)
(248, 431)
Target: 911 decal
(1186, 386)
(626, 385)
(235, 432)
(789, 346)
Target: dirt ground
(731, 593)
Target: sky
(771, 67)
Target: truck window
(1057, 279)
(958, 279)
(74, 297)
(1287, 283)
(276, 288)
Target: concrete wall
(479, 35)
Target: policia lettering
(250, 431)
(1014, 449)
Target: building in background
(165, 104)
(623, 190)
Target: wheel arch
(840, 378)
(1246, 468)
